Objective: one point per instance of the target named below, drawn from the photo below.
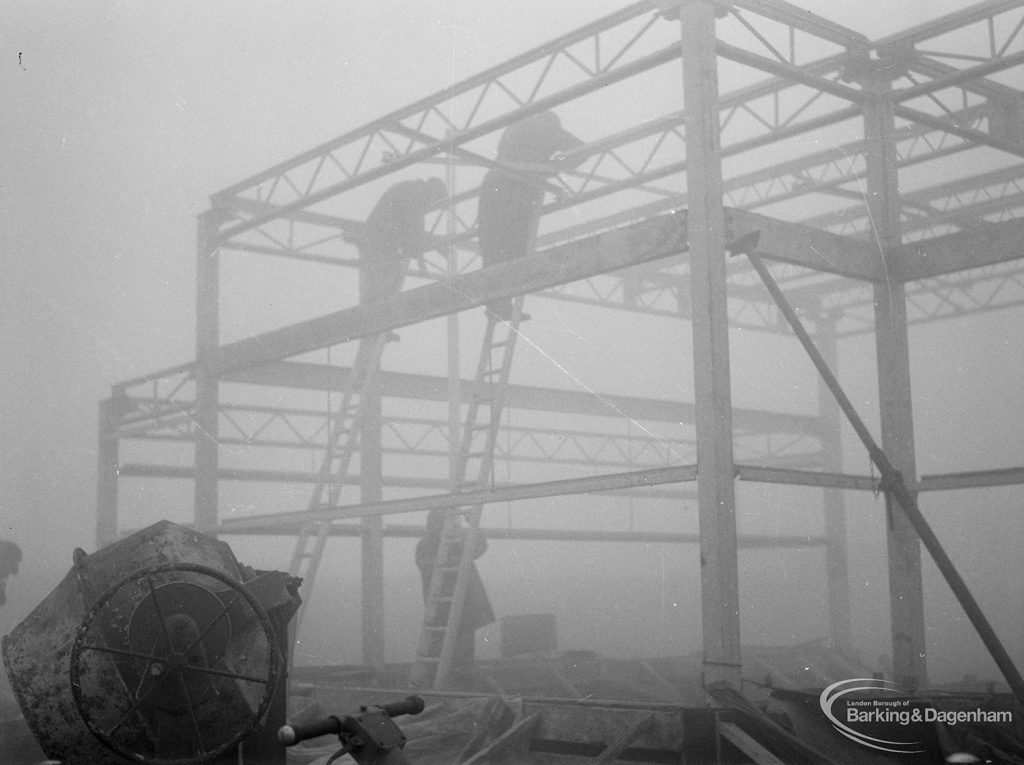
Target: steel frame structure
(870, 235)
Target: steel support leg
(906, 589)
(372, 540)
(896, 489)
(107, 463)
(836, 565)
(706, 229)
(207, 341)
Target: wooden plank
(746, 744)
(615, 749)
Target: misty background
(119, 120)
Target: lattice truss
(251, 434)
(788, 81)
(952, 86)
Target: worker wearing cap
(511, 196)
(393, 235)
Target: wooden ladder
(460, 535)
(342, 441)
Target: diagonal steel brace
(893, 484)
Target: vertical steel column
(706, 228)
(372, 536)
(834, 509)
(207, 341)
(892, 351)
(372, 527)
(107, 466)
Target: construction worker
(510, 198)
(394, 234)
(476, 611)
(10, 558)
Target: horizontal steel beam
(983, 245)
(426, 104)
(948, 23)
(758, 474)
(805, 246)
(968, 134)
(795, 74)
(294, 374)
(977, 479)
(811, 23)
(641, 242)
(958, 78)
(587, 485)
(409, 531)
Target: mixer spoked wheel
(174, 664)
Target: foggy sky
(118, 121)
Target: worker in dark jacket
(476, 611)
(394, 235)
(10, 559)
(511, 198)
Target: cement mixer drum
(173, 664)
(159, 649)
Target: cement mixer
(159, 649)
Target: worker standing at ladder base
(394, 235)
(512, 194)
(476, 611)
(10, 559)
